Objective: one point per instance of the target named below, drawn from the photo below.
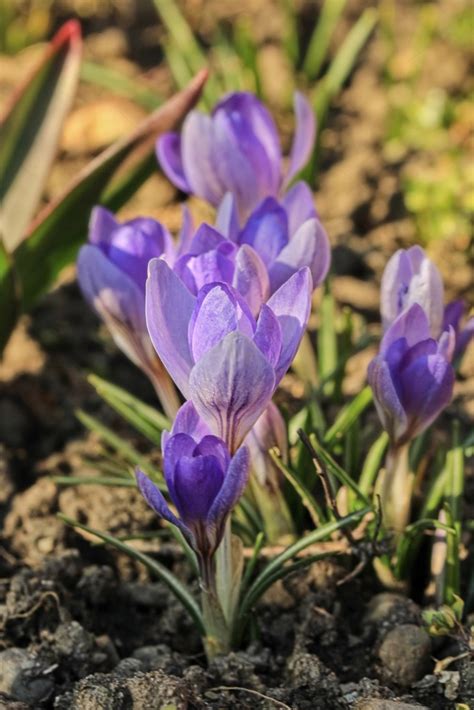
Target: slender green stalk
(321, 37)
(308, 500)
(396, 489)
(372, 463)
(348, 415)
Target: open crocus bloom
(222, 358)
(411, 377)
(204, 482)
(235, 149)
(112, 271)
(287, 235)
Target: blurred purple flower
(411, 377)
(112, 272)
(235, 149)
(287, 235)
(453, 314)
(223, 359)
(268, 431)
(204, 482)
(411, 277)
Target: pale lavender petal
(231, 386)
(218, 312)
(412, 325)
(157, 502)
(207, 268)
(292, 305)
(168, 152)
(102, 224)
(169, 307)
(447, 344)
(266, 230)
(197, 148)
(308, 247)
(251, 278)
(387, 402)
(299, 205)
(227, 218)
(394, 287)
(118, 301)
(268, 336)
(232, 489)
(268, 431)
(205, 239)
(304, 137)
(188, 421)
(187, 231)
(426, 288)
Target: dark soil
(83, 628)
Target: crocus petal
(291, 304)
(426, 288)
(464, 337)
(198, 271)
(101, 225)
(176, 446)
(227, 218)
(266, 230)
(304, 137)
(213, 446)
(412, 325)
(232, 489)
(188, 421)
(168, 152)
(157, 502)
(447, 344)
(197, 141)
(453, 313)
(231, 386)
(205, 239)
(427, 386)
(268, 336)
(197, 482)
(268, 431)
(394, 287)
(117, 299)
(387, 402)
(169, 307)
(251, 278)
(299, 205)
(187, 232)
(218, 311)
(308, 247)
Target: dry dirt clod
(405, 653)
(379, 704)
(23, 677)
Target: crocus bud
(266, 479)
(204, 482)
(112, 272)
(223, 359)
(235, 149)
(453, 315)
(411, 377)
(410, 277)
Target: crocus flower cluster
(224, 308)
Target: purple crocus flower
(287, 235)
(411, 277)
(223, 359)
(411, 377)
(235, 149)
(204, 482)
(112, 272)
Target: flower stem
(217, 639)
(396, 489)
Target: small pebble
(405, 653)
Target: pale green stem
(225, 573)
(217, 639)
(396, 489)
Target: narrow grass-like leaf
(259, 586)
(124, 449)
(373, 463)
(307, 498)
(337, 471)
(454, 495)
(9, 298)
(69, 213)
(94, 481)
(348, 415)
(116, 83)
(406, 548)
(145, 419)
(159, 570)
(188, 551)
(321, 37)
(327, 340)
(251, 564)
(31, 130)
